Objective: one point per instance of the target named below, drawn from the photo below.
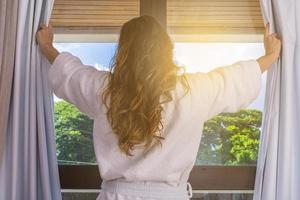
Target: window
(228, 145)
(207, 34)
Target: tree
(74, 138)
(227, 139)
(231, 138)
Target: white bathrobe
(225, 89)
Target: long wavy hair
(141, 73)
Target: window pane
(74, 137)
(229, 138)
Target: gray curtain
(8, 26)
(278, 168)
(29, 168)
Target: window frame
(208, 177)
(201, 177)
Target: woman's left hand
(272, 45)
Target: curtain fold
(278, 174)
(8, 26)
(29, 168)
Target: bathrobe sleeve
(77, 83)
(226, 89)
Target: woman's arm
(70, 79)
(230, 88)
(45, 40)
(272, 47)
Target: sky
(196, 57)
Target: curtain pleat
(8, 26)
(29, 169)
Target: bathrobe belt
(148, 189)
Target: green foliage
(74, 137)
(228, 139)
(231, 138)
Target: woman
(148, 114)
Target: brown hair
(142, 71)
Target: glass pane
(229, 138)
(74, 137)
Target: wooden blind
(214, 16)
(183, 16)
(93, 14)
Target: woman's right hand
(272, 45)
(44, 38)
